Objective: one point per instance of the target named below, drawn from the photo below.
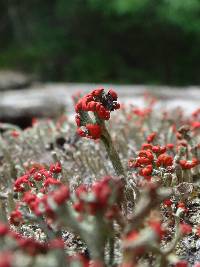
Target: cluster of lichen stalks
(119, 219)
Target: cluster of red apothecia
(37, 173)
(186, 165)
(33, 248)
(151, 157)
(39, 188)
(101, 104)
(158, 232)
(102, 196)
(155, 232)
(29, 245)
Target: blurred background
(51, 48)
(120, 41)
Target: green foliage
(139, 41)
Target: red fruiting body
(81, 191)
(157, 227)
(195, 125)
(164, 160)
(89, 102)
(185, 228)
(29, 197)
(51, 181)
(182, 206)
(79, 206)
(159, 149)
(55, 168)
(112, 212)
(78, 120)
(132, 235)
(94, 131)
(39, 198)
(156, 149)
(81, 132)
(46, 173)
(147, 154)
(28, 245)
(61, 194)
(100, 192)
(146, 146)
(142, 161)
(20, 182)
(151, 137)
(113, 94)
(142, 112)
(188, 165)
(34, 121)
(98, 92)
(181, 264)
(101, 104)
(147, 171)
(103, 113)
(3, 229)
(170, 146)
(167, 202)
(15, 133)
(16, 217)
(38, 176)
(162, 149)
